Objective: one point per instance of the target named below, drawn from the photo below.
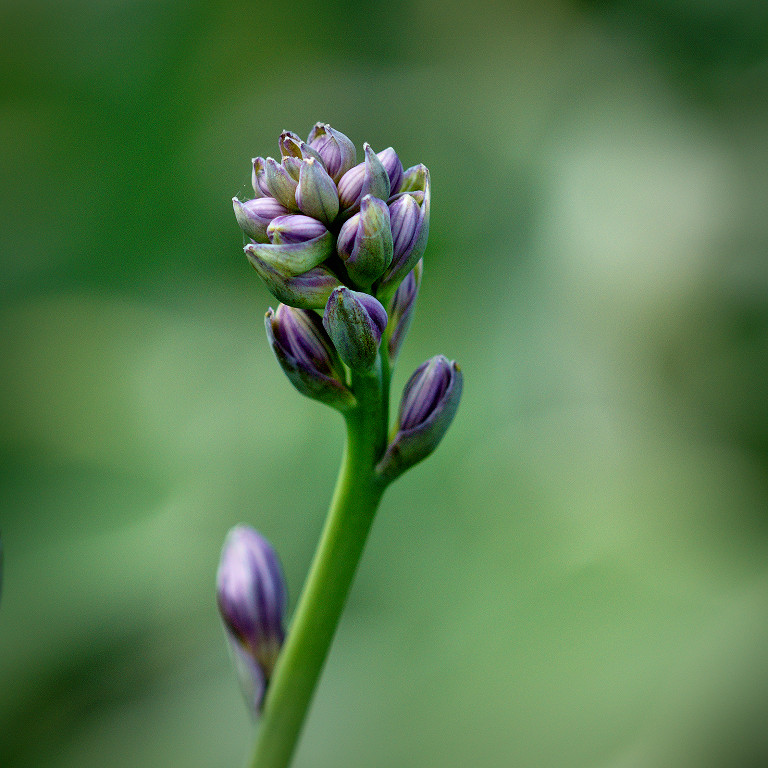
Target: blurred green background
(578, 577)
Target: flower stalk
(340, 245)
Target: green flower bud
(365, 242)
(316, 193)
(309, 290)
(294, 258)
(355, 322)
(281, 185)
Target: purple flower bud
(294, 258)
(316, 193)
(429, 403)
(367, 178)
(307, 355)
(294, 228)
(410, 227)
(292, 146)
(258, 177)
(355, 322)
(254, 216)
(365, 242)
(281, 184)
(336, 150)
(309, 290)
(252, 599)
(401, 309)
(394, 168)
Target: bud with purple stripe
(252, 600)
(355, 322)
(400, 310)
(429, 403)
(307, 355)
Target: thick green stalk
(357, 495)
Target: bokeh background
(578, 577)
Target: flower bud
(281, 184)
(316, 193)
(336, 150)
(365, 242)
(367, 178)
(401, 309)
(355, 322)
(409, 215)
(252, 599)
(294, 228)
(307, 355)
(394, 168)
(292, 146)
(254, 216)
(309, 290)
(430, 399)
(294, 258)
(258, 177)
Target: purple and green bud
(294, 228)
(337, 152)
(393, 167)
(401, 310)
(367, 178)
(355, 322)
(409, 215)
(280, 183)
(316, 193)
(254, 216)
(365, 242)
(293, 146)
(294, 258)
(430, 399)
(259, 177)
(309, 290)
(252, 600)
(307, 355)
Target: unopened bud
(409, 214)
(316, 194)
(294, 228)
(309, 290)
(394, 168)
(401, 310)
(367, 178)
(307, 355)
(430, 399)
(252, 599)
(294, 258)
(254, 216)
(355, 322)
(281, 185)
(336, 150)
(365, 242)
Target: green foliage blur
(578, 577)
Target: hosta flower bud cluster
(320, 220)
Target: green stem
(355, 500)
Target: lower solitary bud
(252, 600)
